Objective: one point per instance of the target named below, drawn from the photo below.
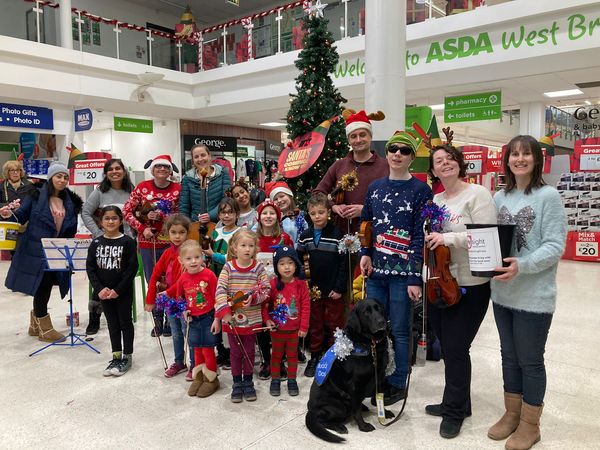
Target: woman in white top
(457, 325)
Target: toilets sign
(24, 116)
(471, 107)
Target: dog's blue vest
(326, 363)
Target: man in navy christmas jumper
(393, 263)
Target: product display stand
(66, 255)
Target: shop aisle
(59, 398)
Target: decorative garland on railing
(246, 22)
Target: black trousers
(118, 318)
(456, 328)
(42, 295)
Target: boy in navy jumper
(393, 264)
(329, 273)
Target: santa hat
(357, 120)
(165, 160)
(275, 187)
(268, 203)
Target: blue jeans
(200, 334)
(178, 334)
(523, 338)
(391, 292)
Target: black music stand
(66, 255)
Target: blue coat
(28, 263)
(190, 200)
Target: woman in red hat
(148, 205)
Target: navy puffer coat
(28, 263)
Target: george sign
(586, 155)
(83, 119)
(133, 125)
(475, 157)
(472, 107)
(23, 116)
(216, 144)
(273, 148)
(87, 171)
(303, 152)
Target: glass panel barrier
(164, 53)
(97, 37)
(133, 46)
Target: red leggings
(205, 355)
(284, 342)
(325, 314)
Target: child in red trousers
(288, 322)
(197, 286)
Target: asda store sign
(527, 40)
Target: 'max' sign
(83, 119)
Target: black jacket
(328, 268)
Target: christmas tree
(317, 100)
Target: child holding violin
(289, 322)
(393, 263)
(166, 272)
(196, 287)
(456, 326)
(328, 280)
(242, 286)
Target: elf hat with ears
(162, 160)
(357, 120)
(275, 187)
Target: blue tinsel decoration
(164, 206)
(436, 215)
(280, 314)
(171, 306)
(300, 223)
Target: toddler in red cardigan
(287, 313)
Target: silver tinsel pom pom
(342, 346)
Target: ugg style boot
(509, 422)
(198, 380)
(47, 331)
(528, 432)
(34, 329)
(210, 385)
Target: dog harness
(326, 362)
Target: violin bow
(160, 346)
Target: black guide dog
(351, 380)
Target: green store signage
(542, 36)
(133, 125)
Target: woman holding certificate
(457, 325)
(524, 296)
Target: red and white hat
(266, 204)
(357, 121)
(275, 187)
(164, 160)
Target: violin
(236, 301)
(442, 289)
(365, 234)
(202, 232)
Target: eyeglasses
(14, 170)
(162, 166)
(227, 213)
(110, 219)
(406, 151)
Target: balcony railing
(278, 30)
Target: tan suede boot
(47, 331)
(509, 422)
(528, 432)
(34, 329)
(198, 379)
(210, 385)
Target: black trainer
(275, 388)
(436, 410)
(301, 356)
(111, 365)
(450, 428)
(122, 366)
(311, 367)
(248, 390)
(237, 392)
(293, 387)
(156, 331)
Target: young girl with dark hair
(111, 267)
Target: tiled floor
(59, 398)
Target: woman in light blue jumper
(524, 296)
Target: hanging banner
(300, 154)
(586, 155)
(475, 158)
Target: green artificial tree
(317, 100)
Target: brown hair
(188, 246)
(318, 199)
(228, 201)
(194, 147)
(237, 237)
(455, 155)
(527, 143)
(178, 219)
(276, 227)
